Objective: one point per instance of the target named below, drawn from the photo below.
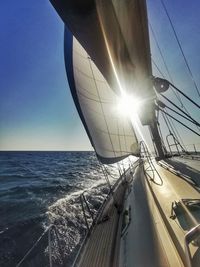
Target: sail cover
(110, 133)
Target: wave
(44, 188)
(16, 240)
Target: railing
(193, 148)
(41, 255)
(144, 152)
(191, 156)
(193, 151)
(84, 201)
(175, 143)
(178, 209)
(100, 211)
(192, 235)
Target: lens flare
(128, 106)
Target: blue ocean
(43, 188)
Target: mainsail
(110, 133)
(110, 57)
(115, 35)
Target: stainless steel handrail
(193, 234)
(151, 167)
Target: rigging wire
(184, 95)
(196, 123)
(156, 66)
(167, 69)
(165, 64)
(107, 173)
(160, 51)
(189, 118)
(181, 123)
(180, 47)
(167, 122)
(175, 129)
(187, 114)
(172, 103)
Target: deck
(169, 187)
(101, 249)
(152, 238)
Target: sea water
(42, 188)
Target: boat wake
(66, 214)
(49, 194)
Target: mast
(153, 127)
(149, 119)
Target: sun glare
(128, 106)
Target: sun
(128, 106)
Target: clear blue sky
(36, 108)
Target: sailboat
(151, 217)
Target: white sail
(110, 133)
(115, 35)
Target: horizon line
(9, 150)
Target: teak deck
(101, 248)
